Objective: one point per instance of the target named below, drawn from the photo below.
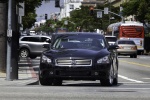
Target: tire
(131, 56)
(24, 53)
(110, 79)
(45, 81)
(135, 55)
(115, 81)
(57, 82)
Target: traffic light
(57, 3)
(45, 16)
(91, 10)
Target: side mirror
(47, 46)
(113, 47)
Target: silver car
(32, 46)
(127, 47)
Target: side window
(24, 39)
(43, 39)
(34, 39)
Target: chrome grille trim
(73, 62)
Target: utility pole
(9, 42)
(12, 41)
(15, 42)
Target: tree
(139, 8)
(30, 12)
(88, 22)
(84, 20)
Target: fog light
(96, 73)
(51, 72)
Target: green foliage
(139, 8)
(87, 22)
(30, 12)
(49, 26)
(81, 20)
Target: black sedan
(79, 56)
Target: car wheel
(108, 81)
(57, 82)
(45, 81)
(135, 55)
(115, 81)
(131, 56)
(24, 53)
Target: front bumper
(75, 73)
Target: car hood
(86, 53)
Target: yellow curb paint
(135, 63)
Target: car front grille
(73, 62)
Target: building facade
(68, 6)
(117, 3)
(93, 2)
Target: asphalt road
(134, 84)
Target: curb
(26, 76)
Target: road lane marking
(129, 79)
(135, 63)
(146, 78)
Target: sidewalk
(26, 76)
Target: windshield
(111, 39)
(126, 42)
(78, 42)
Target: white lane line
(129, 79)
(146, 78)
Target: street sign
(99, 14)
(106, 10)
(22, 9)
(9, 33)
(66, 22)
(121, 8)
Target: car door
(34, 44)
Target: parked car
(127, 47)
(31, 46)
(78, 56)
(111, 39)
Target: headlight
(103, 60)
(44, 59)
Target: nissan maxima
(79, 56)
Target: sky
(47, 8)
